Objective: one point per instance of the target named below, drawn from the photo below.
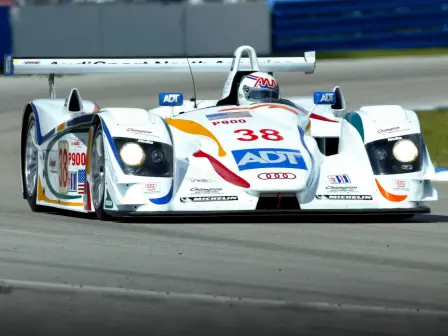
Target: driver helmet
(256, 88)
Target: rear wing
(75, 66)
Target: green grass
(382, 53)
(373, 53)
(435, 129)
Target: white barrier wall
(118, 30)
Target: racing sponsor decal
(171, 99)
(324, 98)
(277, 176)
(106, 62)
(230, 122)
(208, 199)
(58, 150)
(138, 131)
(206, 191)
(226, 115)
(199, 180)
(145, 141)
(108, 204)
(345, 197)
(394, 138)
(73, 182)
(63, 166)
(259, 158)
(77, 159)
(264, 82)
(266, 134)
(342, 189)
(77, 143)
(339, 179)
(52, 165)
(401, 185)
(392, 130)
(149, 188)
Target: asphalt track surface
(63, 275)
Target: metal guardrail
(342, 25)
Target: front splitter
(272, 215)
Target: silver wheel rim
(31, 159)
(98, 169)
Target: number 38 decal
(267, 134)
(67, 159)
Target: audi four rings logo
(276, 176)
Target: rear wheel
(30, 164)
(98, 169)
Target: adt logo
(324, 98)
(258, 158)
(171, 99)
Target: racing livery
(302, 154)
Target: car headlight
(132, 154)
(405, 151)
(156, 156)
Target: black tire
(31, 195)
(99, 207)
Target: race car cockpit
(232, 97)
(237, 75)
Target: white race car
(304, 155)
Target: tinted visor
(260, 94)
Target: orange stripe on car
(389, 196)
(89, 144)
(42, 197)
(61, 127)
(290, 109)
(192, 127)
(308, 128)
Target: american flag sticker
(231, 115)
(216, 116)
(81, 180)
(72, 186)
(339, 179)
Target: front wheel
(98, 169)
(30, 170)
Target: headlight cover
(396, 154)
(145, 158)
(405, 151)
(132, 154)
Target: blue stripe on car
(164, 199)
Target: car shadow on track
(286, 219)
(254, 218)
